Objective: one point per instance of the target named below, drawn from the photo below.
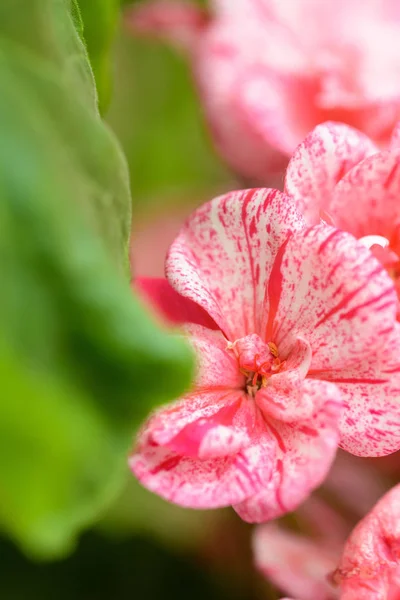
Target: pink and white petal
(196, 413)
(295, 564)
(319, 162)
(372, 552)
(223, 257)
(211, 483)
(395, 139)
(285, 398)
(305, 453)
(370, 424)
(222, 434)
(169, 305)
(328, 288)
(217, 368)
(365, 589)
(366, 200)
(180, 23)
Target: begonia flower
(269, 71)
(293, 325)
(338, 173)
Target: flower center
(257, 360)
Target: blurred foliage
(99, 20)
(156, 115)
(80, 361)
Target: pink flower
(269, 71)
(370, 565)
(293, 324)
(339, 174)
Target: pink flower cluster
(290, 299)
(269, 71)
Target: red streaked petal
(284, 397)
(209, 483)
(336, 295)
(370, 425)
(366, 200)
(170, 305)
(320, 161)
(216, 366)
(371, 556)
(166, 423)
(184, 425)
(305, 452)
(224, 256)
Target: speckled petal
(330, 290)
(366, 201)
(217, 367)
(284, 397)
(371, 555)
(224, 256)
(218, 390)
(370, 425)
(207, 483)
(319, 162)
(305, 452)
(295, 564)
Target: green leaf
(81, 362)
(99, 19)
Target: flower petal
(370, 425)
(224, 256)
(217, 368)
(330, 290)
(284, 397)
(305, 452)
(366, 200)
(187, 425)
(321, 160)
(372, 552)
(208, 483)
(170, 305)
(295, 564)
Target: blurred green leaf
(80, 360)
(99, 19)
(156, 113)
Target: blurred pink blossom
(296, 564)
(269, 71)
(290, 323)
